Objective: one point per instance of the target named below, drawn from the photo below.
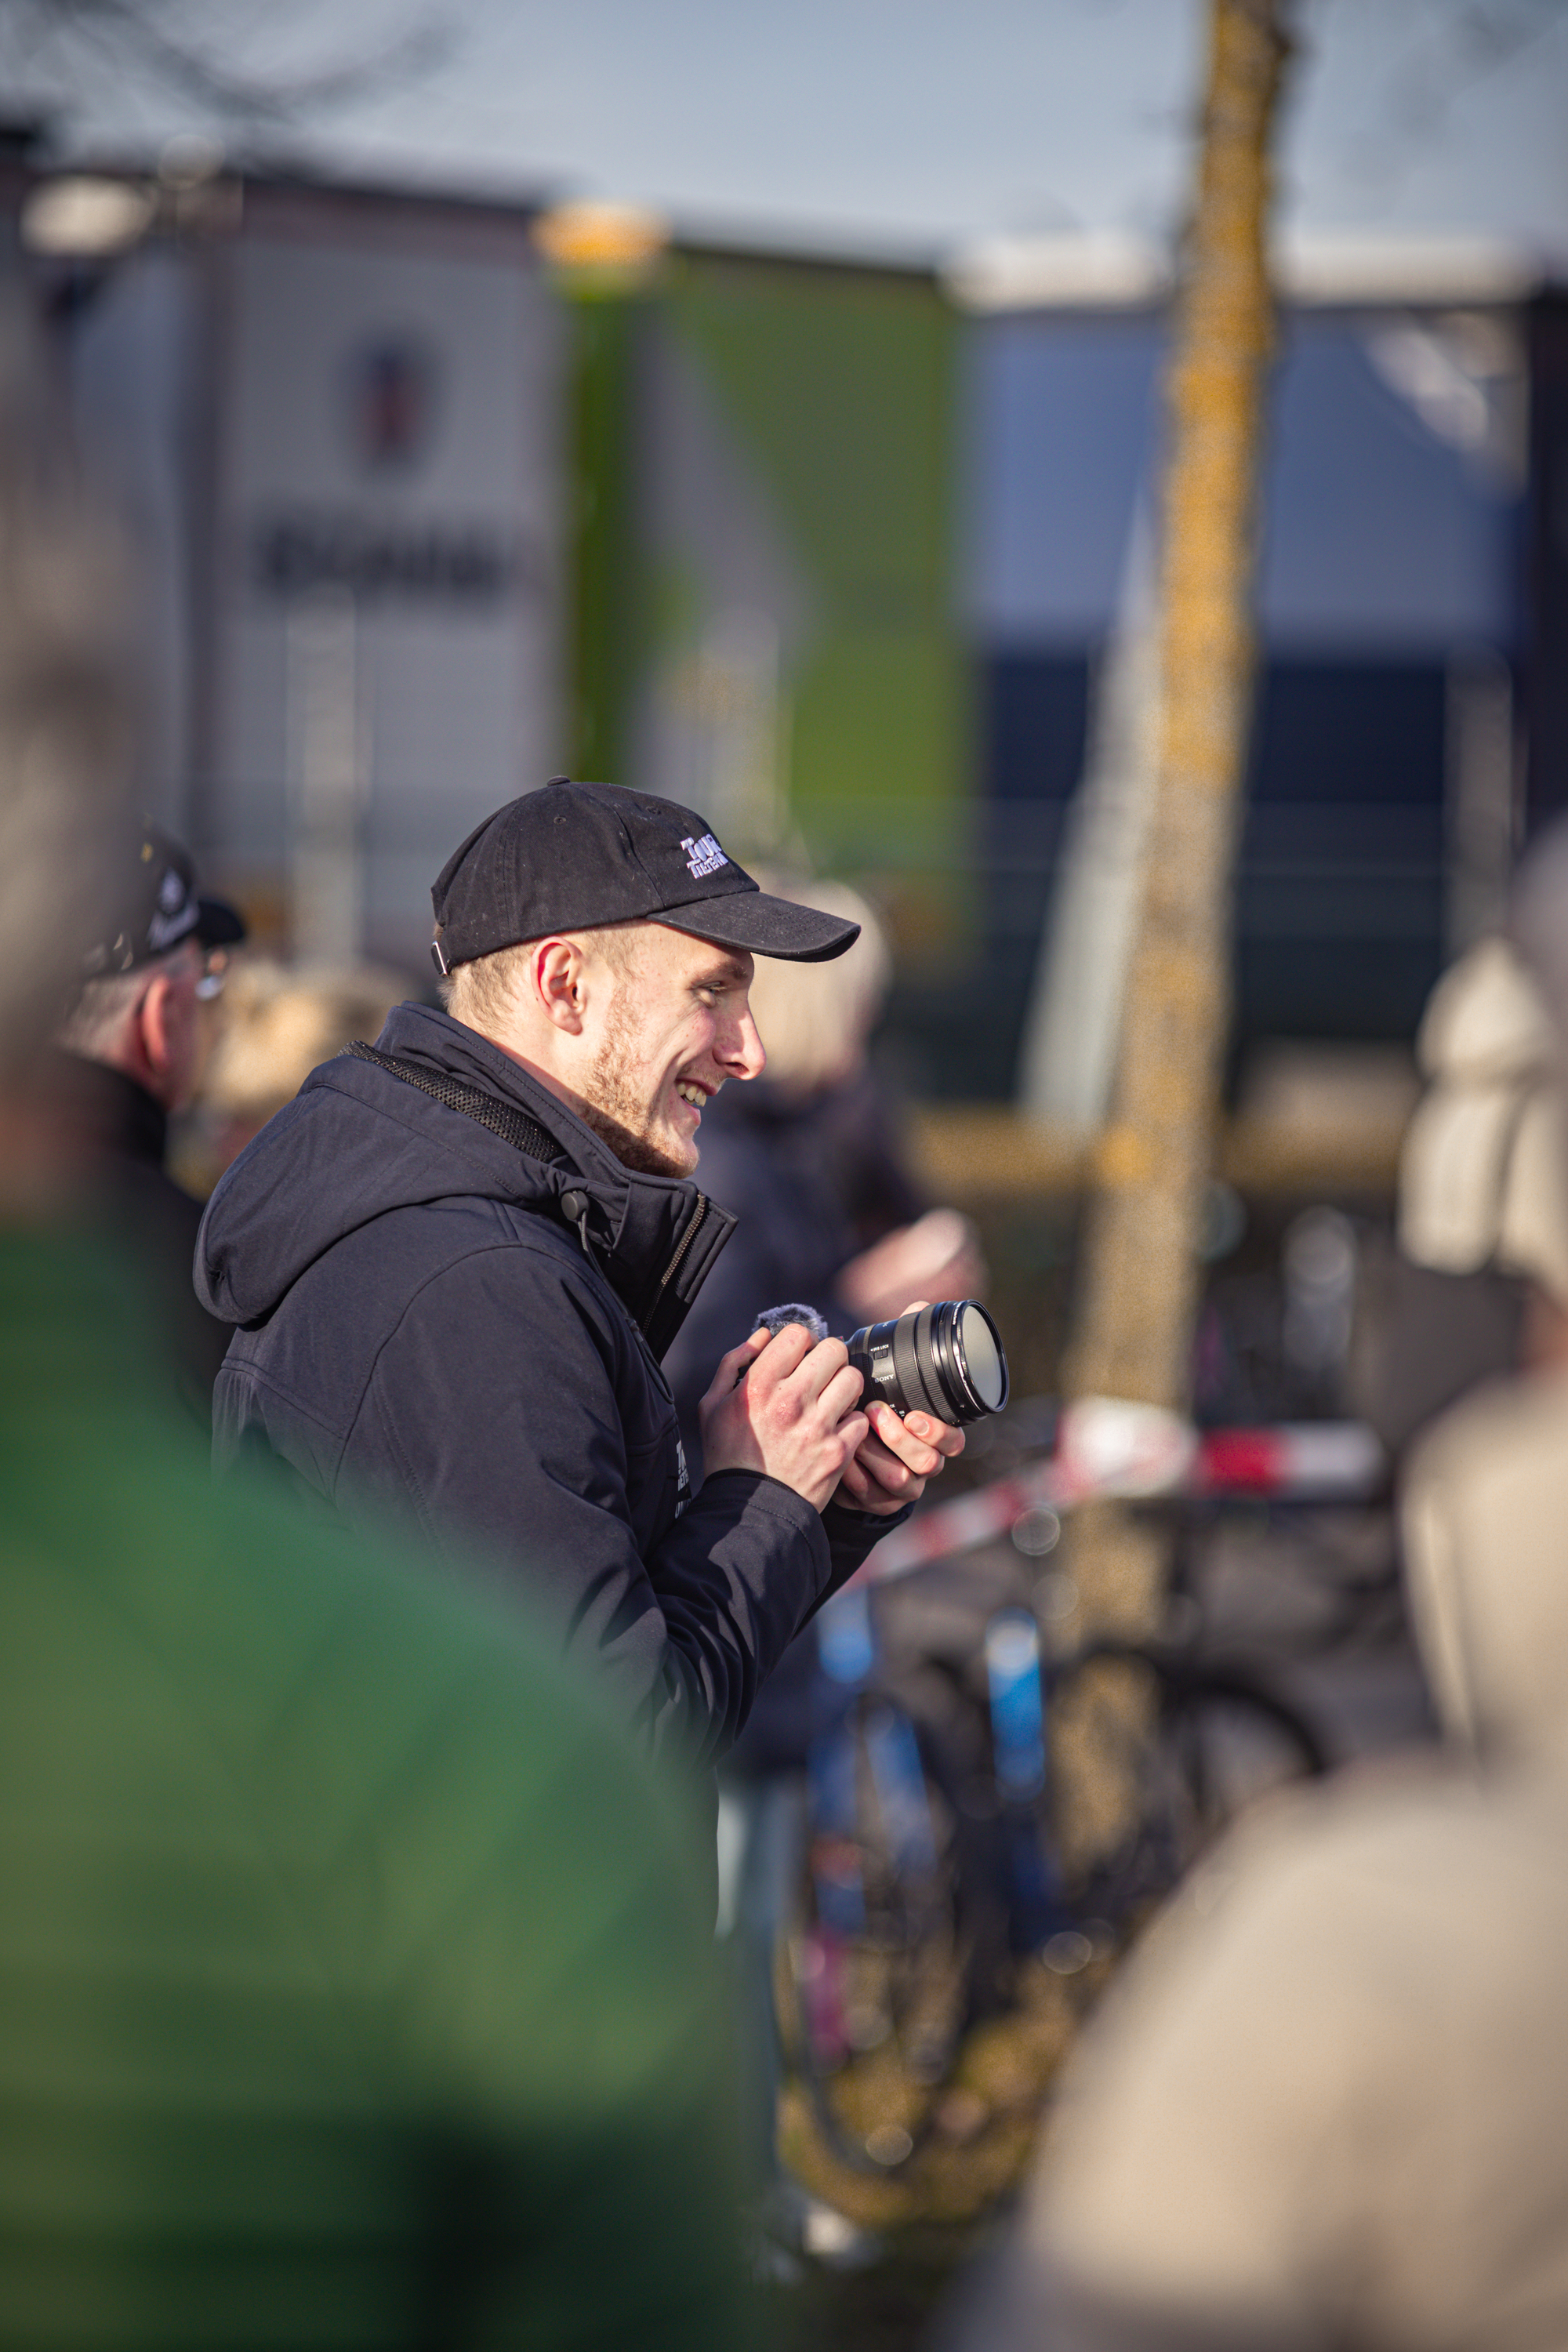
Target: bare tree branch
(1463, 43)
(148, 38)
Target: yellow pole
(1134, 1336)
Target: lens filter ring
(986, 1381)
(969, 1392)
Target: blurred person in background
(809, 1160)
(460, 1256)
(279, 1023)
(1486, 1495)
(355, 1986)
(133, 1047)
(1327, 2105)
(1478, 1286)
(829, 1217)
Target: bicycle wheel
(1153, 1755)
(874, 1978)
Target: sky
(905, 127)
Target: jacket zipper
(686, 1240)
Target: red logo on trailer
(393, 385)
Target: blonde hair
(814, 1018)
(483, 992)
(279, 1025)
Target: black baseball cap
(154, 906)
(570, 856)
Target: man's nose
(744, 1053)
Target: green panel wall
(837, 387)
(603, 588)
(840, 386)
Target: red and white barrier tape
(1107, 1449)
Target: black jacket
(151, 1219)
(423, 1327)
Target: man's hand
(781, 1405)
(894, 1460)
(938, 1255)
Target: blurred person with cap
(458, 1257)
(132, 1047)
(355, 1980)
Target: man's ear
(154, 1021)
(557, 973)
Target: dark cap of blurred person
(132, 1046)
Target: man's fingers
(781, 1354)
(889, 1471)
(819, 1366)
(906, 1438)
(853, 1481)
(732, 1365)
(946, 1440)
(854, 1435)
(840, 1396)
(884, 1494)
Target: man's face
(678, 1025)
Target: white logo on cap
(703, 856)
(164, 930)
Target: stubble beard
(614, 1108)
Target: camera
(945, 1360)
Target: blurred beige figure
(1479, 1286)
(1485, 1514)
(1327, 2105)
(281, 1021)
(1486, 1497)
(1484, 1174)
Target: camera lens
(980, 1351)
(946, 1360)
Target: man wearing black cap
(459, 1256)
(133, 1044)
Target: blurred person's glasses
(215, 972)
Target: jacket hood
(1484, 1504)
(1487, 1020)
(359, 1141)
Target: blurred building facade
(855, 559)
(1402, 709)
(332, 418)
